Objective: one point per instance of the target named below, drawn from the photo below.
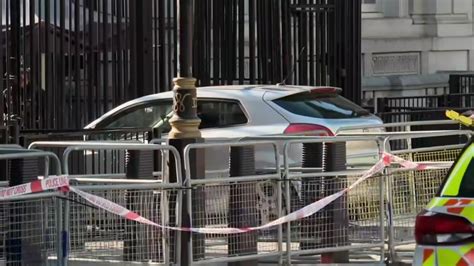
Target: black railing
(64, 63)
(420, 103)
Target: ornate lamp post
(185, 126)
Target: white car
(235, 112)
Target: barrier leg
(242, 205)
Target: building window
(371, 6)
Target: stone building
(409, 47)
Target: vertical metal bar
(175, 38)
(3, 60)
(34, 86)
(121, 47)
(207, 7)
(15, 49)
(311, 52)
(47, 77)
(62, 120)
(25, 92)
(215, 41)
(286, 40)
(322, 47)
(96, 57)
(113, 52)
(90, 62)
(107, 37)
(155, 47)
(241, 42)
(69, 123)
(77, 57)
(80, 62)
(128, 46)
(252, 43)
(54, 64)
(163, 64)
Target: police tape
(49, 183)
(114, 208)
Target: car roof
(238, 92)
(242, 91)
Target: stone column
(471, 60)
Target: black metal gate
(66, 62)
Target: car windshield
(466, 189)
(317, 105)
(460, 181)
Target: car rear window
(332, 106)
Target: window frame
(239, 103)
(140, 105)
(129, 109)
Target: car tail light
(311, 129)
(436, 228)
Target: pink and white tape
(109, 206)
(51, 182)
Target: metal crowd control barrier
(32, 225)
(409, 191)
(358, 231)
(140, 242)
(227, 201)
(352, 225)
(274, 247)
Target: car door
(221, 120)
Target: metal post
(185, 129)
(142, 47)
(242, 205)
(14, 58)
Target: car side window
(466, 189)
(142, 116)
(214, 114)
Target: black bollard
(25, 241)
(243, 205)
(137, 243)
(334, 159)
(312, 227)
